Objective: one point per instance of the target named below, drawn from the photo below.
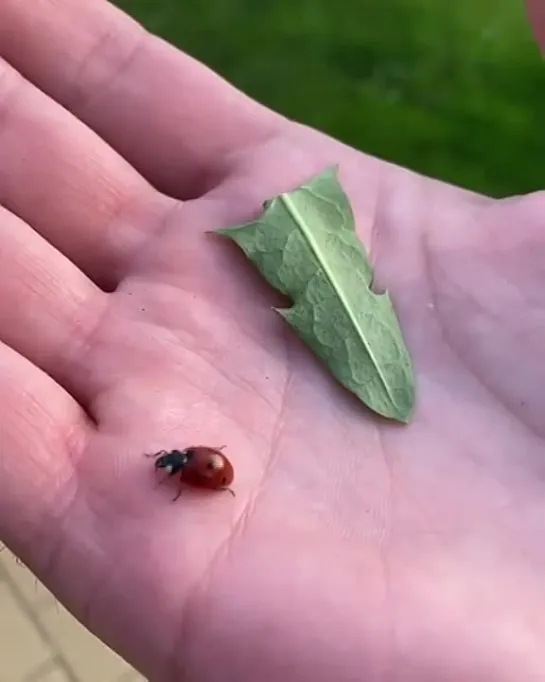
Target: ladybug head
(171, 462)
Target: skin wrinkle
(383, 548)
(85, 352)
(233, 163)
(255, 338)
(387, 511)
(91, 606)
(110, 281)
(198, 591)
(390, 647)
(215, 400)
(427, 259)
(76, 365)
(149, 236)
(51, 564)
(470, 456)
(140, 39)
(104, 515)
(241, 381)
(64, 546)
(57, 540)
(69, 363)
(197, 385)
(9, 96)
(496, 397)
(231, 379)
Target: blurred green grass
(453, 90)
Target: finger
(61, 178)
(171, 117)
(536, 12)
(48, 308)
(42, 432)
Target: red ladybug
(198, 466)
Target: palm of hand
(409, 542)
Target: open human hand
(355, 549)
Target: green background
(455, 90)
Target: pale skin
(355, 549)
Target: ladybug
(198, 466)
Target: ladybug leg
(155, 454)
(162, 480)
(169, 475)
(179, 492)
(231, 491)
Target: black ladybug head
(172, 462)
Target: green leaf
(305, 245)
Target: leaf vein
(298, 219)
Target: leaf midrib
(292, 210)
